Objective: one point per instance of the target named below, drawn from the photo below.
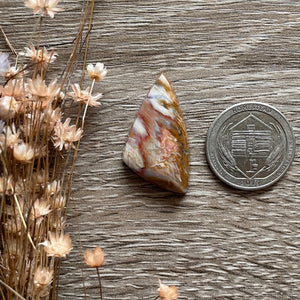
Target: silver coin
(250, 145)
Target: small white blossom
(97, 72)
(65, 135)
(43, 7)
(84, 96)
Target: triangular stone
(157, 148)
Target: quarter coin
(250, 145)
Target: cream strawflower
(49, 118)
(16, 88)
(40, 209)
(6, 185)
(9, 137)
(41, 92)
(53, 188)
(9, 107)
(94, 258)
(58, 202)
(42, 277)
(13, 72)
(58, 245)
(23, 152)
(41, 283)
(167, 292)
(43, 7)
(97, 72)
(65, 135)
(84, 96)
(41, 57)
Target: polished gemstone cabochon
(157, 147)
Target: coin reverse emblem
(250, 145)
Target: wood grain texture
(215, 242)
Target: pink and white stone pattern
(157, 148)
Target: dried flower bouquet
(39, 141)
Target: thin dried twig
(12, 49)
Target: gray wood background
(215, 242)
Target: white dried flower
(23, 152)
(44, 7)
(58, 245)
(41, 92)
(42, 277)
(65, 135)
(49, 118)
(53, 188)
(40, 209)
(97, 72)
(6, 185)
(9, 107)
(58, 202)
(13, 72)
(9, 137)
(41, 283)
(84, 96)
(41, 57)
(16, 88)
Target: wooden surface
(215, 242)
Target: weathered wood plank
(215, 242)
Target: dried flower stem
(12, 49)
(87, 41)
(87, 12)
(57, 275)
(100, 286)
(23, 221)
(80, 248)
(86, 106)
(12, 290)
